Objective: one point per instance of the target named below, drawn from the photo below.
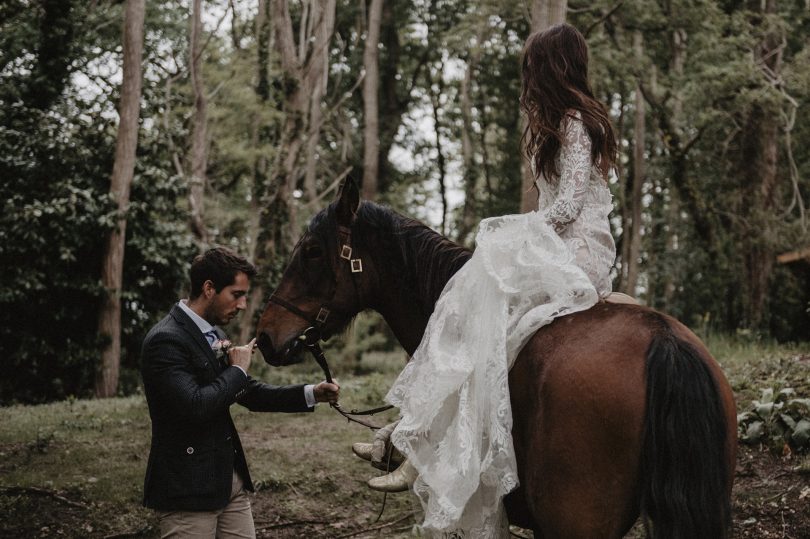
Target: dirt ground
(771, 496)
(771, 499)
(75, 470)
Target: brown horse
(619, 411)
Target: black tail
(684, 473)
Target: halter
(312, 336)
(318, 321)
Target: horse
(619, 411)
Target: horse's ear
(347, 201)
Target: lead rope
(310, 339)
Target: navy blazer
(195, 446)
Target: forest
(136, 134)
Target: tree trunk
(52, 70)
(394, 103)
(639, 135)
(371, 106)
(435, 99)
(673, 241)
(259, 174)
(759, 160)
(470, 179)
(322, 20)
(199, 146)
(278, 218)
(545, 13)
(303, 80)
(622, 245)
(109, 324)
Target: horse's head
(322, 286)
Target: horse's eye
(313, 251)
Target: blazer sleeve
(170, 374)
(261, 397)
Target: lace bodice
(577, 205)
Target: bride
(526, 270)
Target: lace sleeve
(575, 170)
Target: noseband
(311, 337)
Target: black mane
(424, 259)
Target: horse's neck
(434, 260)
(407, 322)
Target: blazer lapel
(194, 332)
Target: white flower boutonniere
(220, 348)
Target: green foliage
(708, 225)
(777, 420)
(56, 165)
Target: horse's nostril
(265, 344)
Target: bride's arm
(575, 170)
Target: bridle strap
(293, 309)
(312, 335)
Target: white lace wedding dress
(453, 395)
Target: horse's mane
(427, 259)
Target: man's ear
(347, 201)
(208, 289)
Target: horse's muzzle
(289, 354)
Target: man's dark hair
(219, 265)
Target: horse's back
(578, 398)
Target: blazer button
(189, 450)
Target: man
(197, 473)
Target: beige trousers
(232, 522)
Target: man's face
(225, 305)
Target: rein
(311, 337)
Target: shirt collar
(201, 323)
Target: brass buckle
(323, 314)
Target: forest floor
(75, 468)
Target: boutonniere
(220, 348)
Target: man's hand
(240, 356)
(326, 392)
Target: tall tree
(304, 70)
(544, 13)
(199, 143)
(470, 170)
(259, 166)
(760, 149)
(321, 20)
(109, 322)
(403, 63)
(52, 54)
(631, 243)
(371, 106)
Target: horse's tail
(684, 471)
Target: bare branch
(603, 18)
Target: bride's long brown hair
(555, 84)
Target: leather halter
(312, 336)
(318, 321)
